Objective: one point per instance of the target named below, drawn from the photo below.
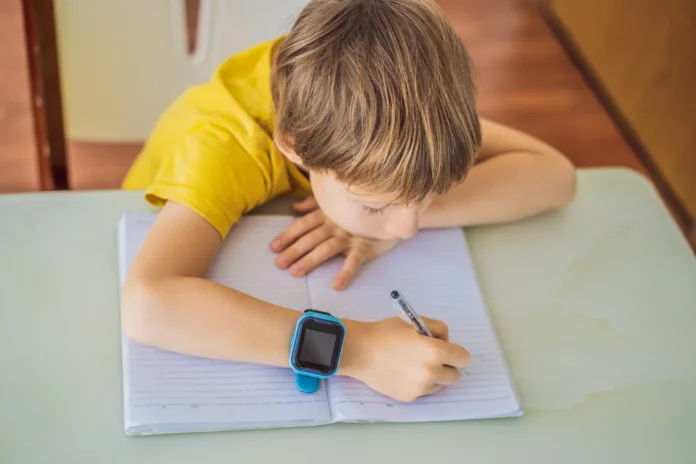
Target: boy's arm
(167, 303)
(516, 176)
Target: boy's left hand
(314, 239)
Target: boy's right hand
(392, 358)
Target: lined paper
(171, 392)
(434, 272)
(167, 392)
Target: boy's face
(363, 213)
(360, 212)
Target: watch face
(319, 344)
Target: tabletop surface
(595, 307)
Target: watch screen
(317, 347)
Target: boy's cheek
(346, 220)
(348, 215)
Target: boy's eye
(373, 210)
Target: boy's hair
(379, 92)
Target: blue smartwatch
(315, 349)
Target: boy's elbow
(138, 300)
(566, 182)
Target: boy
(368, 105)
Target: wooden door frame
(47, 107)
(44, 72)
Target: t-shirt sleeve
(211, 173)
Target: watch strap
(306, 383)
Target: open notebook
(165, 392)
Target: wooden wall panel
(644, 55)
(96, 165)
(19, 170)
(526, 80)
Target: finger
(298, 228)
(437, 328)
(325, 251)
(454, 355)
(356, 258)
(446, 375)
(433, 389)
(306, 205)
(302, 246)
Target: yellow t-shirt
(212, 150)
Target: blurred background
(608, 82)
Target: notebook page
(170, 392)
(434, 272)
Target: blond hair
(379, 92)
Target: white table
(595, 307)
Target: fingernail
(339, 283)
(275, 244)
(297, 270)
(283, 261)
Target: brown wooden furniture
(19, 161)
(40, 31)
(641, 58)
(32, 145)
(527, 81)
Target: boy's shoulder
(250, 67)
(259, 53)
(238, 90)
(217, 132)
(237, 95)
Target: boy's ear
(286, 144)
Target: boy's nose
(405, 227)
